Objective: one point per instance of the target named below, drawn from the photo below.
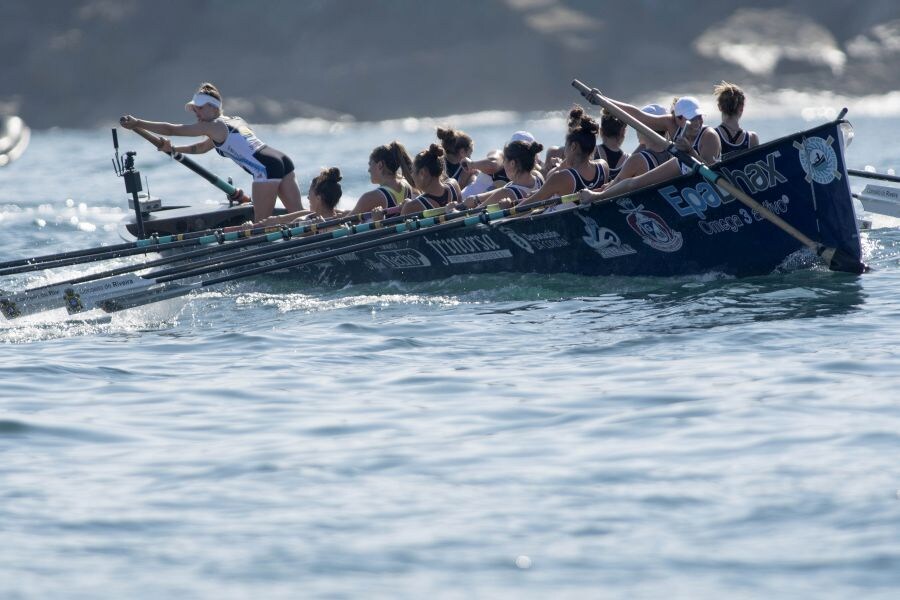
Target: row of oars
(236, 253)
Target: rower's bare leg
(289, 192)
(264, 195)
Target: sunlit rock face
(758, 39)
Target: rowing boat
(682, 226)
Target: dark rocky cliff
(81, 63)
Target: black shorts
(275, 165)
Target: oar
(234, 194)
(153, 245)
(835, 258)
(401, 232)
(77, 293)
(99, 252)
(870, 175)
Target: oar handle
(234, 194)
(594, 96)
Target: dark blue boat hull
(681, 227)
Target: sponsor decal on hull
(468, 248)
(406, 258)
(540, 240)
(818, 159)
(603, 240)
(696, 199)
(652, 228)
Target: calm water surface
(489, 437)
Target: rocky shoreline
(91, 60)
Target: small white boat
(14, 138)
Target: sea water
(503, 436)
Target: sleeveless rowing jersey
(429, 201)
(614, 158)
(454, 170)
(393, 197)
(523, 191)
(580, 184)
(241, 144)
(654, 158)
(733, 143)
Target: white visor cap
(201, 100)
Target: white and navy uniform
(429, 201)
(523, 191)
(243, 147)
(733, 143)
(580, 184)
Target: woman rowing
(272, 171)
(436, 192)
(519, 159)
(649, 154)
(324, 194)
(390, 168)
(612, 136)
(684, 125)
(582, 172)
(458, 148)
(490, 172)
(730, 99)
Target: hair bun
(435, 150)
(333, 174)
(535, 148)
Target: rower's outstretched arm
(654, 122)
(211, 129)
(198, 148)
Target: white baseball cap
(654, 109)
(522, 136)
(688, 107)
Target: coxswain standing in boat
(730, 99)
(582, 172)
(272, 171)
(436, 190)
(390, 168)
(519, 161)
